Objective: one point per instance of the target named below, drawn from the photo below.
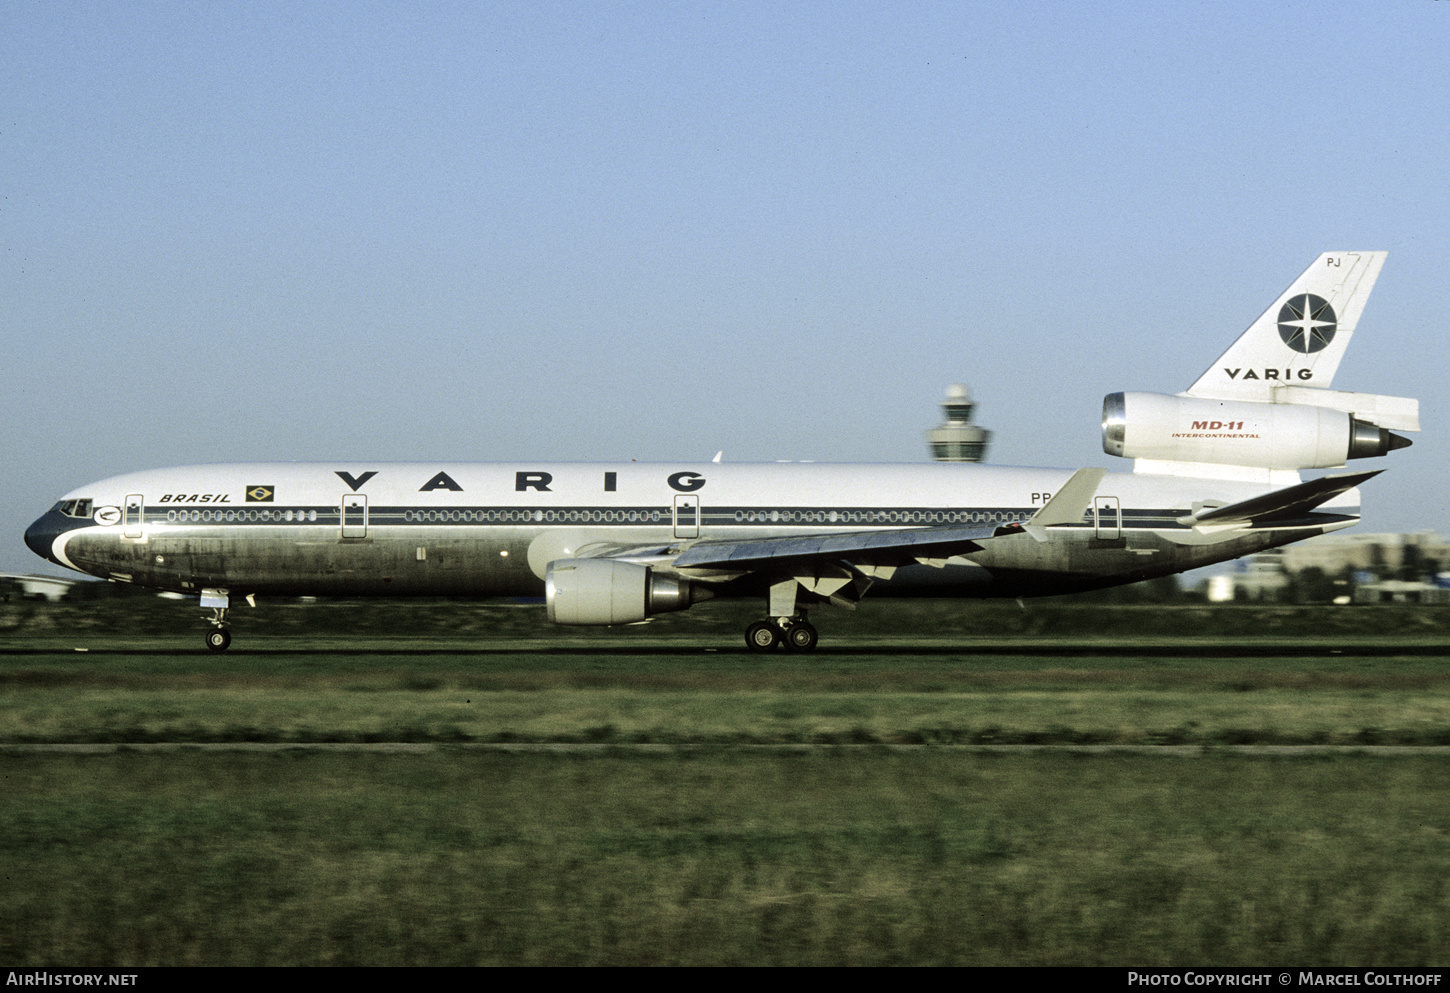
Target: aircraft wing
(1067, 506)
(1281, 508)
(887, 549)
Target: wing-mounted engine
(607, 591)
(1294, 435)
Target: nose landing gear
(220, 636)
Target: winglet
(1068, 504)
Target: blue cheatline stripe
(834, 518)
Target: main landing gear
(795, 634)
(786, 626)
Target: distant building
(1404, 591)
(1389, 556)
(1364, 568)
(958, 439)
(1254, 577)
(44, 586)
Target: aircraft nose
(41, 535)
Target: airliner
(1215, 475)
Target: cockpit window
(75, 508)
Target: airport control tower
(958, 439)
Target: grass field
(718, 853)
(722, 857)
(695, 697)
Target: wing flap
(853, 546)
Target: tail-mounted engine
(605, 591)
(1239, 433)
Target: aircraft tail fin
(1301, 338)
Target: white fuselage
(471, 529)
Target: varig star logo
(1306, 322)
(260, 494)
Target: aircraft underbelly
(1024, 567)
(464, 562)
(415, 564)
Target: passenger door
(1109, 519)
(133, 515)
(687, 516)
(354, 515)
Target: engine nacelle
(603, 591)
(1236, 432)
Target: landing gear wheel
(801, 637)
(762, 636)
(218, 640)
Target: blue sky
(657, 230)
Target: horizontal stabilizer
(1284, 504)
(1395, 413)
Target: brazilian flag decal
(260, 494)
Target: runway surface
(1188, 648)
(571, 748)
